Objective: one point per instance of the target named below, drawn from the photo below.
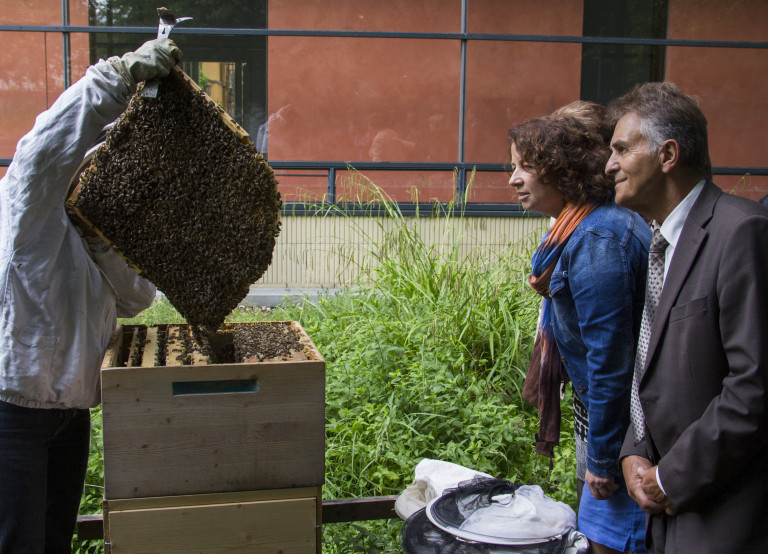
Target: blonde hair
(591, 114)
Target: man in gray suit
(695, 457)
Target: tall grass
(425, 358)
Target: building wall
(31, 73)
(731, 83)
(398, 99)
(384, 99)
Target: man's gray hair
(667, 113)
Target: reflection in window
(238, 14)
(610, 70)
(231, 67)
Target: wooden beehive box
(195, 429)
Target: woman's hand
(601, 488)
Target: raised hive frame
(179, 190)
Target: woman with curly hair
(590, 269)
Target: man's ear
(669, 155)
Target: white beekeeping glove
(154, 58)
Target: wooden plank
(112, 355)
(286, 526)
(333, 511)
(133, 349)
(90, 527)
(125, 504)
(174, 346)
(359, 509)
(150, 348)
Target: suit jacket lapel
(692, 238)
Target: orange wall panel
(31, 12)
(32, 75)
(508, 82)
(369, 99)
(730, 82)
(28, 83)
(434, 16)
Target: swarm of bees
(185, 199)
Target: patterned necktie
(652, 294)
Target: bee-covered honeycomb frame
(179, 190)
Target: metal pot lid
(499, 512)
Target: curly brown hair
(567, 154)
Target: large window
(610, 70)
(416, 94)
(232, 67)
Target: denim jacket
(597, 291)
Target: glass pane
(508, 82)
(733, 99)
(634, 18)
(239, 14)
(426, 16)
(492, 186)
(33, 77)
(310, 186)
(610, 70)
(399, 186)
(359, 99)
(232, 69)
(526, 17)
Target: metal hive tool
(179, 190)
(167, 22)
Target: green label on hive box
(215, 387)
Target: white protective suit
(60, 294)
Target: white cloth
(59, 298)
(431, 478)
